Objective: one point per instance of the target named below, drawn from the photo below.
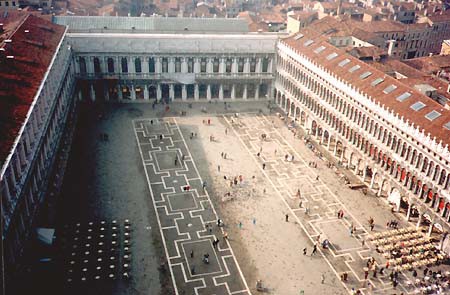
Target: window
(216, 65)
(354, 68)
(165, 65)
(403, 96)
(252, 65)
(151, 65)
(241, 65)
(418, 106)
(365, 75)
(432, 115)
(190, 65)
(124, 63)
(265, 65)
(177, 65)
(344, 62)
(203, 65)
(110, 65)
(389, 89)
(332, 56)
(447, 126)
(137, 65)
(82, 64)
(319, 49)
(228, 64)
(307, 43)
(377, 81)
(97, 68)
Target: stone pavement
(186, 216)
(317, 214)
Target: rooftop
(152, 24)
(23, 65)
(356, 73)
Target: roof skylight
(390, 88)
(344, 62)
(299, 36)
(377, 81)
(354, 68)
(308, 42)
(331, 56)
(447, 126)
(365, 75)
(319, 49)
(432, 115)
(403, 96)
(417, 106)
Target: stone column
(244, 94)
(209, 66)
(408, 213)
(120, 93)
(419, 221)
(146, 95)
(208, 92)
(221, 92)
(92, 92)
(117, 65)
(233, 92)
(183, 92)
(372, 180)
(430, 229)
(171, 65)
(131, 64)
(171, 92)
(158, 65)
(106, 91)
(158, 92)
(247, 65)
(145, 65)
(196, 94)
(329, 141)
(222, 66)
(184, 65)
(258, 68)
(234, 65)
(257, 91)
(133, 93)
(342, 155)
(364, 172)
(90, 64)
(196, 65)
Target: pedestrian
(214, 244)
(240, 225)
(160, 137)
(221, 155)
(317, 178)
(372, 226)
(226, 131)
(176, 160)
(304, 251)
(258, 154)
(366, 274)
(314, 250)
(254, 221)
(193, 269)
(323, 278)
(218, 168)
(225, 156)
(287, 217)
(204, 185)
(192, 253)
(264, 166)
(300, 204)
(275, 152)
(209, 121)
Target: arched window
(97, 68)
(137, 65)
(124, 64)
(151, 65)
(82, 62)
(110, 65)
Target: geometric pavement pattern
(186, 218)
(346, 253)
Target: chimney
(1, 28)
(339, 7)
(391, 47)
(448, 88)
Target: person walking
(287, 217)
(264, 166)
(192, 253)
(304, 251)
(323, 279)
(218, 168)
(314, 250)
(176, 160)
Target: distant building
(445, 48)
(299, 20)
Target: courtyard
(174, 176)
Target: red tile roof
(403, 109)
(21, 76)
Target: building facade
(394, 138)
(39, 117)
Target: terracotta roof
(21, 76)
(302, 15)
(376, 92)
(430, 64)
(367, 51)
(440, 18)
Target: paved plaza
(175, 176)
